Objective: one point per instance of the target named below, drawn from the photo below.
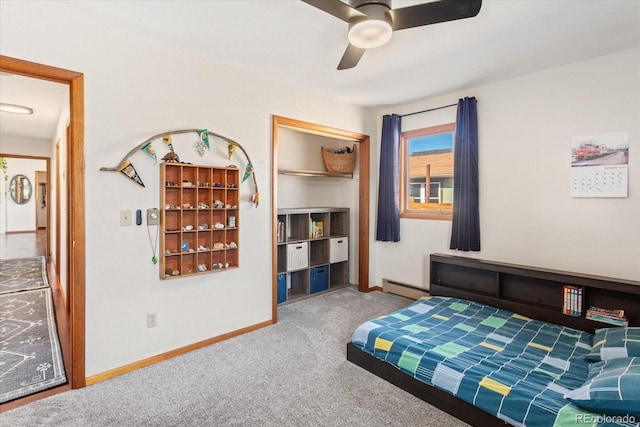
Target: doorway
(363, 200)
(75, 251)
(42, 206)
(24, 224)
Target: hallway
(24, 245)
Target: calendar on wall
(600, 165)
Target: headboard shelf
(532, 291)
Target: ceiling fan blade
(336, 8)
(432, 13)
(351, 57)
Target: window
(426, 182)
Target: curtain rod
(430, 109)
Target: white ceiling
(46, 98)
(292, 41)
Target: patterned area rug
(30, 354)
(21, 274)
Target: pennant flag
(128, 170)
(150, 150)
(231, 148)
(199, 147)
(204, 137)
(248, 171)
(167, 140)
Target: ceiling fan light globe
(370, 33)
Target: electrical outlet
(152, 320)
(125, 217)
(153, 216)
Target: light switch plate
(153, 216)
(152, 320)
(125, 217)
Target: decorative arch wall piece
(126, 167)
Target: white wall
(15, 217)
(133, 90)
(24, 146)
(526, 214)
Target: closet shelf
(301, 172)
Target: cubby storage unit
(199, 219)
(313, 251)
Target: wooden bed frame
(534, 292)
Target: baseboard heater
(403, 289)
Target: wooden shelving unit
(199, 219)
(312, 259)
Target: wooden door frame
(76, 192)
(57, 257)
(363, 200)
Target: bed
(491, 345)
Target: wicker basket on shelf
(339, 163)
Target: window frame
(405, 212)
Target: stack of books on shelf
(316, 229)
(280, 232)
(613, 317)
(572, 300)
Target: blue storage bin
(282, 288)
(319, 279)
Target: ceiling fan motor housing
(357, 3)
(374, 9)
(373, 29)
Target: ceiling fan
(371, 22)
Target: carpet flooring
(293, 373)
(21, 274)
(30, 354)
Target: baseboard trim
(403, 289)
(374, 288)
(112, 373)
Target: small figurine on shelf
(170, 272)
(171, 157)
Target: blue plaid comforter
(513, 367)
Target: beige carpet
(294, 373)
